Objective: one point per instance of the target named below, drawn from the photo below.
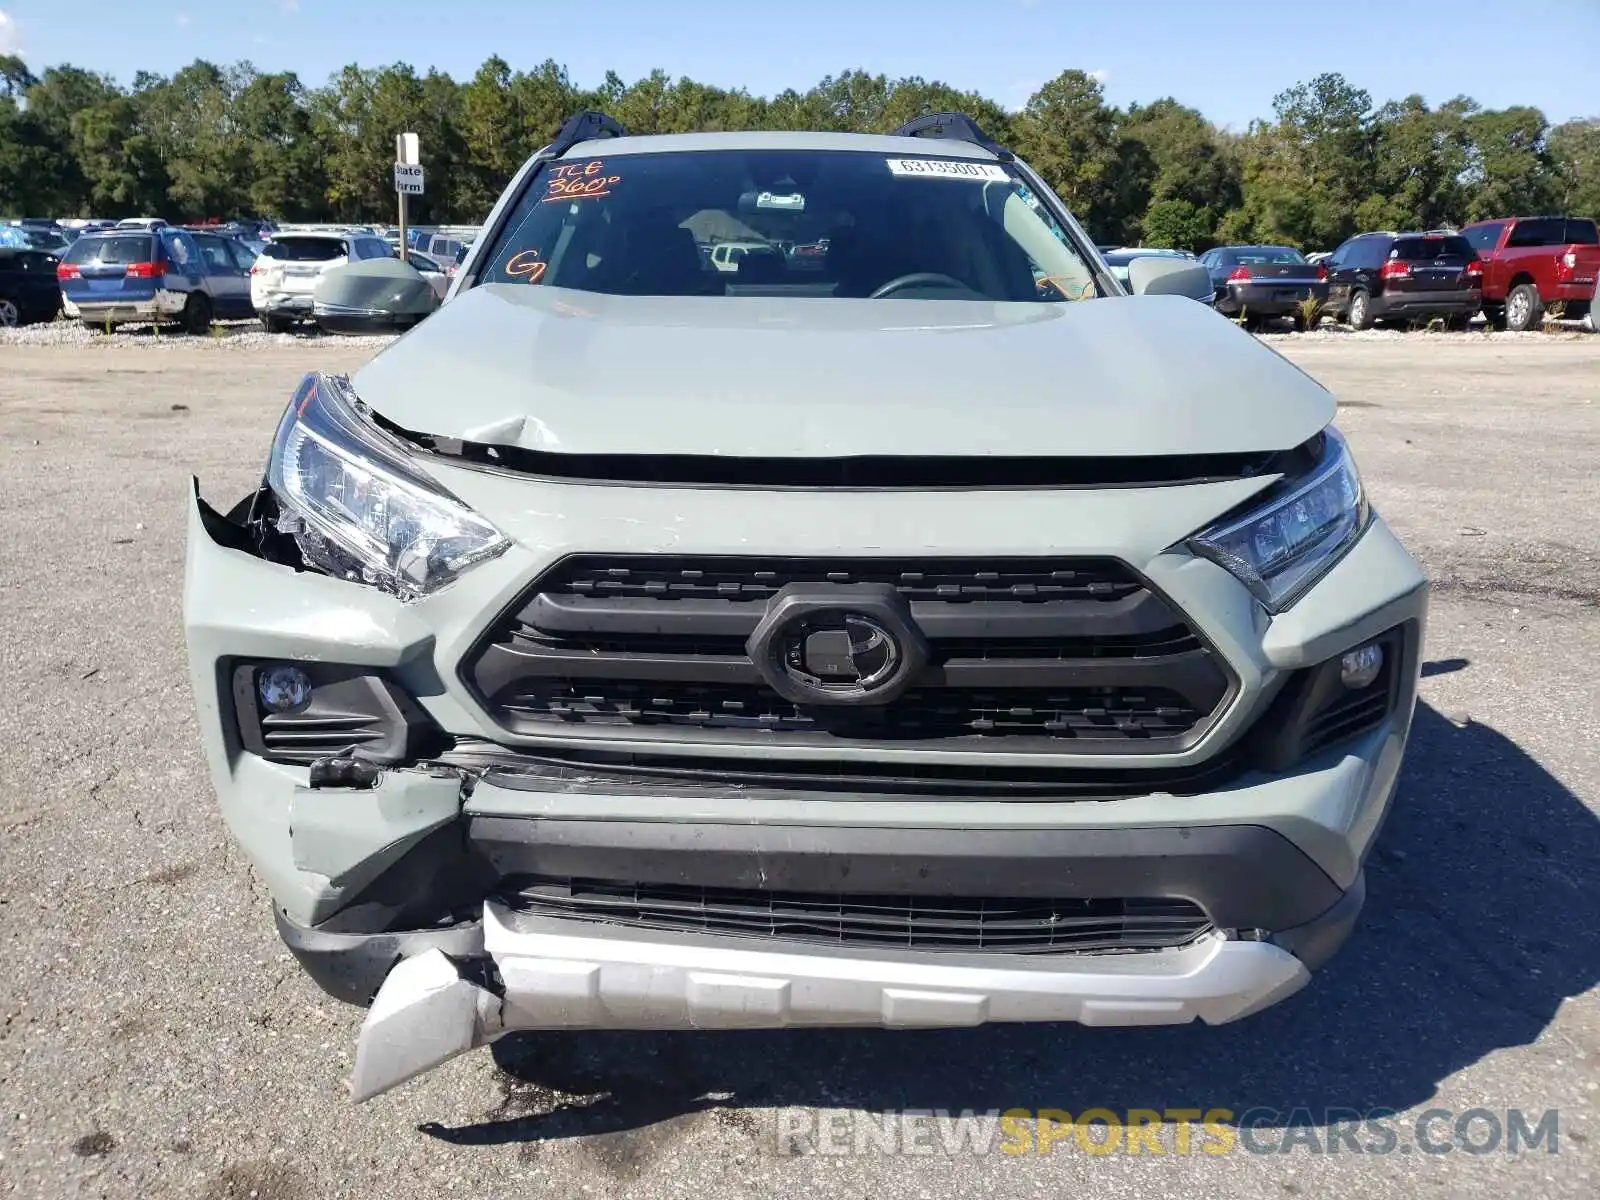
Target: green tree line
(223, 141)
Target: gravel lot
(158, 1041)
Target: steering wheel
(915, 279)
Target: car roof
(1132, 252)
(124, 231)
(869, 143)
(327, 234)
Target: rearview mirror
(375, 295)
(1170, 277)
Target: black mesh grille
(1350, 713)
(1054, 653)
(758, 579)
(1085, 713)
(993, 925)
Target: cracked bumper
(552, 976)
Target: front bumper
(364, 879)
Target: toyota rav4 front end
(929, 636)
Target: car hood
(559, 371)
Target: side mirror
(1170, 277)
(374, 295)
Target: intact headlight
(1282, 547)
(356, 506)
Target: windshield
(304, 249)
(123, 248)
(788, 223)
(1266, 256)
(1413, 249)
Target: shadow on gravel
(1481, 919)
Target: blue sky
(1225, 57)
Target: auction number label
(943, 168)
(579, 181)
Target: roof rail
(582, 127)
(955, 126)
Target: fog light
(1358, 668)
(283, 688)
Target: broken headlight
(356, 506)
(1288, 542)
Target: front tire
(1524, 309)
(196, 317)
(1360, 315)
(10, 314)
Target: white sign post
(407, 177)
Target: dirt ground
(156, 1039)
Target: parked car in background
(1317, 257)
(51, 241)
(443, 248)
(1262, 282)
(283, 281)
(1407, 276)
(147, 276)
(1530, 263)
(28, 288)
(140, 223)
(228, 262)
(381, 295)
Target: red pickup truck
(1530, 263)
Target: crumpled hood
(574, 372)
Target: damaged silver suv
(891, 623)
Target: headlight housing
(1292, 538)
(358, 509)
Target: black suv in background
(28, 288)
(1404, 276)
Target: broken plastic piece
(424, 1015)
(344, 771)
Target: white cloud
(182, 19)
(1100, 75)
(289, 6)
(10, 37)
(1017, 95)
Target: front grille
(1085, 714)
(747, 579)
(1024, 653)
(995, 925)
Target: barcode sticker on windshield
(943, 168)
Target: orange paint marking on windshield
(579, 181)
(525, 265)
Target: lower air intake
(990, 925)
